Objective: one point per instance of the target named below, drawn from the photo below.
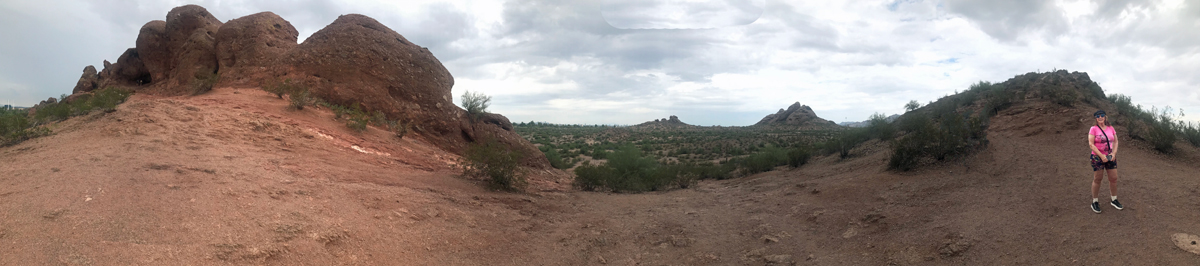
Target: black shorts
(1098, 164)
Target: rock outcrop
(665, 123)
(797, 115)
(353, 61)
(179, 49)
(247, 46)
(88, 81)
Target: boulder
(128, 71)
(358, 60)
(179, 49)
(247, 46)
(88, 81)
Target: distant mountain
(672, 122)
(864, 123)
(797, 115)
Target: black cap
(1099, 113)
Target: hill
(665, 123)
(796, 116)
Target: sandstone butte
(354, 60)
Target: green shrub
(204, 82)
(954, 135)
(798, 156)
(1060, 95)
(476, 104)
(765, 160)
(398, 127)
(1160, 133)
(16, 127)
(627, 170)
(279, 88)
(495, 162)
(299, 98)
(1191, 132)
(556, 160)
(878, 127)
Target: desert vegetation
(1154, 125)
(625, 159)
(19, 125)
(495, 163)
(476, 104)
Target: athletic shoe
(1117, 204)
(1096, 207)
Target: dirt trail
(233, 177)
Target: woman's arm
(1114, 144)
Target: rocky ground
(234, 177)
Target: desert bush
(204, 82)
(627, 170)
(555, 159)
(1191, 132)
(280, 88)
(954, 135)
(878, 127)
(798, 156)
(299, 97)
(496, 163)
(15, 126)
(1160, 132)
(911, 105)
(476, 104)
(105, 99)
(399, 127)
(1060, 95)
(765, 160)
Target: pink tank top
(1102, 142)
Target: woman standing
(1103, 140)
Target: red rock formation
(354, 60)
(176, 50)
(248, 46)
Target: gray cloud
(1010, 20)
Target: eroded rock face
(247, 46)
(88, 81)
(358, 60)
(176, 50)
(128, 71)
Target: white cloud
(562, 61)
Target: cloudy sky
(717, 62)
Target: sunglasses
(1099, 116)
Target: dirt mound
(797, 115)
(353, 61)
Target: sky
(724, 62)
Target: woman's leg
(1099, 176)
(1112, 182)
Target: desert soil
(234, 177)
